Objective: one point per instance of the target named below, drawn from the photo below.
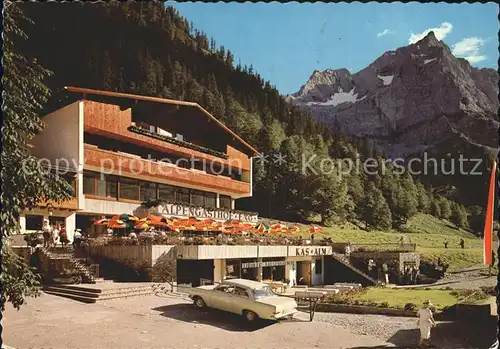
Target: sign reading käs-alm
(205, 212)
(312, 251)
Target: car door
(239, 300)
(217, 297)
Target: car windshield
(263, 292)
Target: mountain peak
(430, 39)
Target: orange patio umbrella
(315, 229)
(102, 221)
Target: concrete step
(75, 292)
(72, 296)
(103, 291)
(91, 296)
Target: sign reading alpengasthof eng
(203, 212)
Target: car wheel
(250, 316)
(199, 302)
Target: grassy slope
(427, 232)
(397, 298)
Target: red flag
(488, 225)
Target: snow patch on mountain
(429, 60)
(339, 98)
(387, 80)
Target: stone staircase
(344, 260)
(94, 294)
(78, 263)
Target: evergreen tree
(423, 200)
(459, 215)
(375, 211)
(445, 207)
(435, 208)
(476, 219)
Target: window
(111, 187)
(241, 292)
(225, 201)
(179, 137)
(101, 186)
(197, 198)
(34, 222)
(182, 195)
(148, 191)
(318, 267)
(54, 221)
(89, 184)
(129, 189)
(166, 192)
(210, 200)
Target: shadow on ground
(465, 334)
(211, 317)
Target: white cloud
(469, 48)
(440, 32)
(384, 33)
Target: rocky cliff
(417, 98)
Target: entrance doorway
(304, 273)
(194, 272)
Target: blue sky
(285, 43)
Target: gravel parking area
(168, 322)
(160, 322)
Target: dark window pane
(148, 191)
(111, 187)
(166, 192)
(182, 195)
(197, 198)
(210, 200)
(101, 186)
(319, 266)
(225, 201)
(89, 184)
(129, 189)
(34, 222)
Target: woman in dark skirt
(63, 236)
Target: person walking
(425, 323)
(445, 243)
(462, 243)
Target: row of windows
(150, 154)
(130, 189)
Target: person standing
(462, 243)
(445, 243)
(348, 250)
(55, 235)
(385, 270)
(425, 323)
(47, 234)
(63, 236)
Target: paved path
(160, 322)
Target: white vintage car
(252, 299)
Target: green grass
(397, 298)
(427, 231)
(456, 258)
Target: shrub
(33, 239)
(384, 305)
(410, 306)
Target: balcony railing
(178, 142)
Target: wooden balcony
(110, 121)
(71, 204)
(133, 166)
